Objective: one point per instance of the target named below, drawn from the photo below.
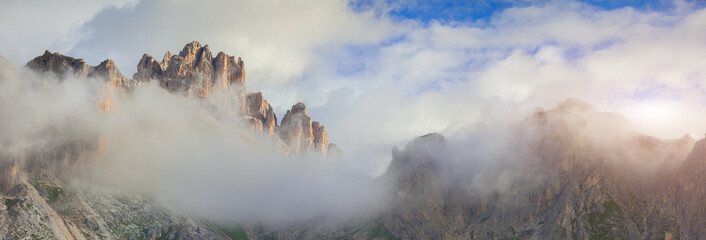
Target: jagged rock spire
(194, 70)
(262, 117)
(62, 65)
(302, 134)
(59, 64)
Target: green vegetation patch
(234, 233)
(373, 229)
(53, 192)
(607, 224)
(10, 202)
(381, 232)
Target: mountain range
(569, 172)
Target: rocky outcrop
(193, 71)
(109, 71)
(302, 134)
(262, 117)
(9, 173)
(690, 193)
(228, 71)
(333, 151)
(419, 210)
(573, 173)
(148, 68)
(59, 65)
(295, 129)
(41, 209)
(64, 66)
(35, 200)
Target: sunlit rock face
(9, 169)
(36, 197)
(62, 65)
(302, 134)
(263, 118)
(59, 64)
(193, 70)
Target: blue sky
(446, 11)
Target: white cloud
(183, 152)
(27, 28)
(377, 81)
(277, 39)
(446, 77)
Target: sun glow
(657, 118)
(656, 113)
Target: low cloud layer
(192, 154)
(377, 80)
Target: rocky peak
(332, 150)
(109, 71)
(302, 134)
(422, 151)
(418, 199)
(194, 70)
(62, 65)
(165, 60)
(147, 68)
(190, 49)
(262, 117)
(59, 64)
(299, 108)
(320, 137)
(696, 161)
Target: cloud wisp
(193, 154)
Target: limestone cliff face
(574, 175)
(263, 118)
(59, 65)
(419, 207)
(302, 134)
(149, 68)
(9, 169)
(108, 70)
(42, 209)
(690, 193)
(62, 65)
(193, 70)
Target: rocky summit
(194, 72)
(64, 66)
(565, 184)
